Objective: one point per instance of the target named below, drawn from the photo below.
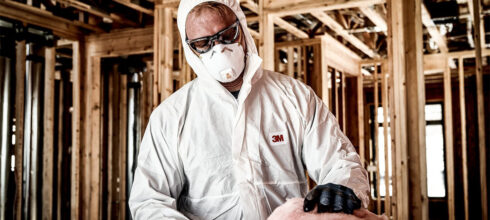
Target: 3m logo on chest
(278, 138)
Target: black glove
(332, 198)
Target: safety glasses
(226, 36)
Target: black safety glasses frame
(204, 44)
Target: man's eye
(229, 35)
(200, 44)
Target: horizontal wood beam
(377, 18)
(337, 28)
(290, 28)
(61, 27)
(432, 29)
(319, 5)
(120, 42)
(136, 7)
(342, 58)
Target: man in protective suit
(235, 142)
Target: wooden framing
(77, 48)
(266, 44)
(449, 140)
(31, 15)
(408, 123)
(375, 17)
(134, 6)
(290, 28)
(48, 138)
(20, 69)
(384, 101)
(376, 135)
(480, 105)
(360, 117)
(307, 6)
(332, 24)
(163, 56)
(344, 60)
(432, 29)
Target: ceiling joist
(433, 31)
(320, 5)
(377, 18)
(337, 28)
(136, 7)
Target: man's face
(208, 22)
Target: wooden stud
(325, 76)
(376, 139)
(48, 138)
(266, 30)
(449, 138)
(123, 124)
(360, 117)
(290, 52)
(480, 106)
(335, 102)
(20, 70)
(384, 101)
(342, 91)
(76, 126)
(300, 62)
(415, 109)
(93, 133)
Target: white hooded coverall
(207, 155)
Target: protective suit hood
(252, 71)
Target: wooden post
(123, 125)
(335, 102)
(93, 133)
(376, 139)
(480, 107)
(76, 137)
(298, 64)
(163, 51)
(48, 137)
(360, 116)
(342, 91)
(266, 29)
(407, 98)
(384, 100)
(290, 50)
(449, 138)
(20, 71)
(324, 71)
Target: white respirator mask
(225, 62)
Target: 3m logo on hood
(278, 138)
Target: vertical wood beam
(93, 133)
(342, 91)
(480, 106)
(75, 136)
(376, 139)
(266, 30)
(384, 100)
(48, 138)
(290, 58)
(324, 69)
(335, 103)
(20, 70)
(360, 115)
(163, 52)
(407, 98)
(449, 138)
(123, 131)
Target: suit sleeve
(158, 179)
(328, 154)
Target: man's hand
(332, 198)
